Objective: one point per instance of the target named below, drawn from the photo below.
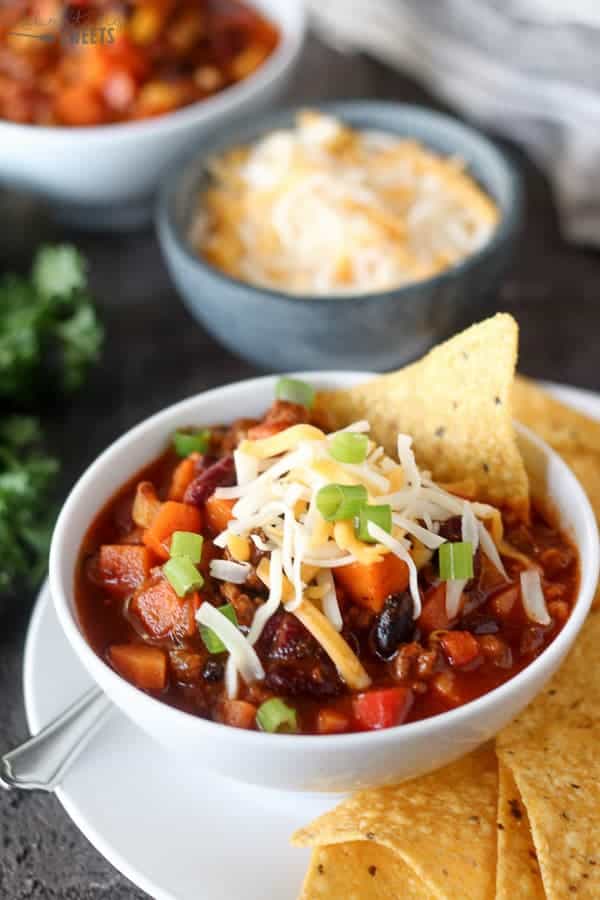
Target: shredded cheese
(325, 209)
(344, 659)
(533, 597)
(242, 653)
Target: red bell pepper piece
(460, 647)
(382, 708)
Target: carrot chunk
(183, 476)
(238, 713)
(171, 517)
(370, 585)
(218, 513)
(123, 567)
(332, 721)
(161, 612)
(146, 667)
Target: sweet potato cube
(183, 476)
(171, 517)
(123, 567)
(370, 585)
(144, 666)
(218, 513)
(161, 612)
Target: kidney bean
(219, 474)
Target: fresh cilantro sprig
(49, 337)
(49, 331)
(26, 475)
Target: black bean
(213, 670)
(394, 625)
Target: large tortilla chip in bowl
(456, 404)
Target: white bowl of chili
(104, 176)
(301, 762)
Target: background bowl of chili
(104, 176)
(376, 331)
(308, 762)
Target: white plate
(177, 833)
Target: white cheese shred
(454, 592)
(402, 553)
(244, 655)
(532, 594)
(226, 570)
(264, 612)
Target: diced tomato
(161, 612)
(238, 713)
(123, 568)
(332, 721)
(171, 517)
(383, 708)
(433, 615)
(145, 666)
(460, 647)
(370, 585)
(218, 513)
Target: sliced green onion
(185, 442)
(456, 561)
(337, 502)
(187, 543)
(212, 642)
(295, 391)
(348, 447)
(275, 715)
(379, 515)
(182, 575)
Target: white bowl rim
(422, 728)
(288, 48)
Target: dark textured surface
(155, 355)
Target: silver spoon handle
(41, 762)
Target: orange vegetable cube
(144, 666)
(238, 713)
(370, 585)
(182, 476)
(171, 517)
(161, 612)
(218, 513)
(332, 721)
(123, 567)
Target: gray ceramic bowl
(374, 331)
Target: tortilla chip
(561, 426)
(558, 774)
(456, 405)
(517, 858)
(572, 698)
(442, 825)
(361, 870)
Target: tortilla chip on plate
(517, 859)
(456, 405)
(442, 825)
(361, 870)
(557, 771)
(572, 697)
(561, 426)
